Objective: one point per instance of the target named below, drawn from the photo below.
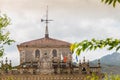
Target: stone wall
(28, 54)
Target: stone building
(43, 51)
(43, 56)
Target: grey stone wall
(28, 54)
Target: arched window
(54, 52)
(37, 53)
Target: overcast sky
(74, 21)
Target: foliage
(107, 77)
(4, 34)
(112, 77)
(115, 77)
(109, 2)
(95, 44)
(10, 78)
(93, 77)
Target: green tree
(95, 44)
(4, 34)
(109, 2)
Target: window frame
(54, 53)
(37, 53)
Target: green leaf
(91, 47)
(106, 1)
(119, 1)
(114, 3)
(77, 44)
(117, 41)
(110, 1)
(93, 40)
(117, 48)
(4, 34)
(94, 44)
(85, 41)
(110, 48)
(95, 47)
(1, 51)
(102, 0)
(84, 46)
(78, 52)
(74, 46)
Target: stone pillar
(80, 67)
(99, 66)
(21, 71)
(10, 72)
(99, 63)
(31, 71)
(80, 70)
(68, 70)
(58, 70)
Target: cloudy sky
(74, 21)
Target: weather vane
(46, 21)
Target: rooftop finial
(46, 21)
(84, 59)
(6, 60)
(98, 62)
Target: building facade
(42, 52)
(48, 56)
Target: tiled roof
(45, 42)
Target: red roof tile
(45, 42)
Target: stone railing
(43, 77)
